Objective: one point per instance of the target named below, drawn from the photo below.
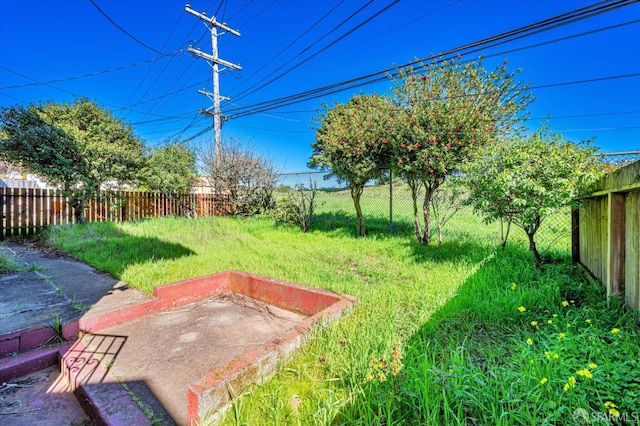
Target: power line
(91, 74)
(335, 28)
(343, 36)
(378, 76)
(595, 114)
(134, 38)
(305, 32)
(591, 80)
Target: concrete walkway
(51, 290)
(55, 288)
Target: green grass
(7, 264)
(436, 338)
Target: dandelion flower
(561, 336)
(588, 321)
(549, 321)
(593, 366)
(565, 387)
(513, 286)
(555, 355)
(543, 380)
(572, 381)
(522, 308)
(565, 303)
(585, 373)
(615, 413)
(554, 315)
(534, 323)
(610, 404)
(529, 341)
(615, 330)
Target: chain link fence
(388, 206)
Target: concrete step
(104, 400)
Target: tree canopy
(525, 179)
(354, 140)
(80, 147)
(450, 111)
(170, 168)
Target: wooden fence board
(608, 233)
(632, 270)
(27, 211)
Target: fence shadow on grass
(107, 248)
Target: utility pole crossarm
(211, 20)
(214, 110)
(212, 59)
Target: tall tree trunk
(531, 232)
(78, 206)
(505, 236)
(356, 192)
(439, 221)
(416, 218)
(429, 189)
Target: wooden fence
(606, 233)
(25, 211)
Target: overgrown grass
(437, 337)
(7, 263)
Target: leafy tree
(353, 139)
(523, 180)
(246, 176)
(80, 147)
(450, 111)
(170, 169)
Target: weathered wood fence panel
(26, 211)
(632, 249)
(606, 237)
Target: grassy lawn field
(462, 333)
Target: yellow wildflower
(529, 341)
(610, 404)
(513, 286)
(572, 301)
(561, 336)
(554, 315)
(571, 383)
(534, 323)
(588, 321)
(615, 330)
(555, 355)
(565, 303)
(593, 366)
(549, 321)
(585, 372)
(522, 308)
(543, 380)
(615, 413)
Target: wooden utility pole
(215, 62)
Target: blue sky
(57, 50)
